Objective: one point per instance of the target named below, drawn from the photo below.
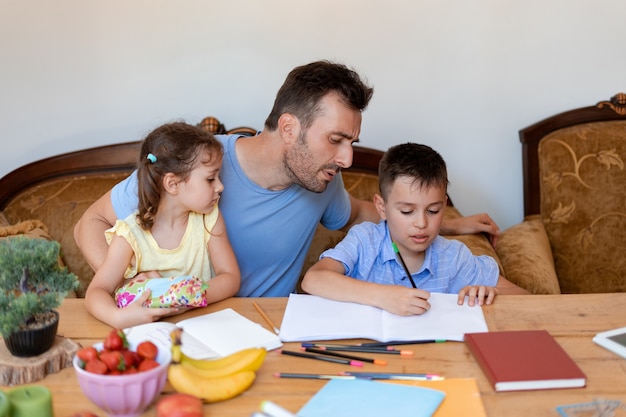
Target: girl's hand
(136, 313)
(477, 295)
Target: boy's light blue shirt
(449, 265)
(270, 231)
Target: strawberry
(147, 350)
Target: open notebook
(210, 335)
(308, 318)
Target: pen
(342, 355)
(266, 318)
(406, 269)
(396, 376)
(322, 358)
(402, 342)
(274, 410)
(312, 376)
(368, 350)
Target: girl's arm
(227, 277)
(99, 298)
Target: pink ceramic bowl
(124, 395)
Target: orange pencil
(265, 317)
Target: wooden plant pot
(33, 342)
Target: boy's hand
(477, 295)
(404, 301)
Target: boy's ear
(289, 127)
(379, 203)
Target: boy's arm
(90, 228)
(326, 279)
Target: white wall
(461, 76)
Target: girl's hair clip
(151, 158)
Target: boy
(413, 183)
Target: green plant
(32, 282)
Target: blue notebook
(366, 398)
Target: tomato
(113, 360)
(115, 340)
(147, 350)
(147, 364)
(96, 366)
(87, 353)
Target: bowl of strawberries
(121, 376)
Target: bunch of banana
(213, 379)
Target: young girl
(177, 233)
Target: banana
(244, 360)
(209, 389)
(249, 359)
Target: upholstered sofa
(46, 198)
(574, 230)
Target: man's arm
(90, 228)
(478, 223)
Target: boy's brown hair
(420, 162)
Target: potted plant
(32, 285)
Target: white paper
(227, 331)
(309, 318)
(208, 336)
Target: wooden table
(572, 319)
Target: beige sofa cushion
(583, 205)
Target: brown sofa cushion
(524, 250)
(583, 205)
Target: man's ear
(289, 127)
(379, 203)
(170, 183)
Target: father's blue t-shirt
(270, 231)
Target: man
(280, 184)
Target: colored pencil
(406, 269)
(401, 342)
(312, 376)
(266, 317)
(396, 376)
(355, 347)
(367, 350)
(343, 355)
(322, 358)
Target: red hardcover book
(524, 360)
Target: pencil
(402, 342)
(406, 269)
(368, 350)
(396, 376)
(355, 347)
(322, 358)
(266, 318)
(342, 355)
(312, 376)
